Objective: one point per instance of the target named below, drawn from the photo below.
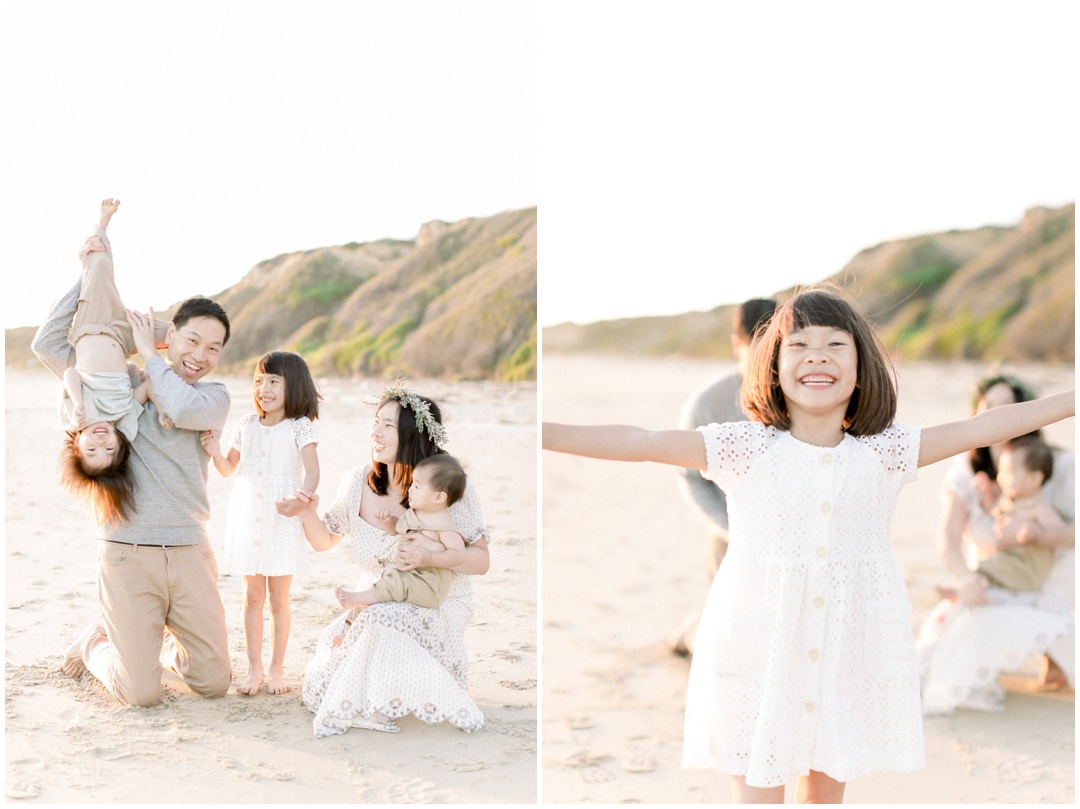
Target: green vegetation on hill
(458, 302)
(993, 293)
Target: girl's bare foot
(276, 683)
(108, 208)
(250, 686)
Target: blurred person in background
(717, 403)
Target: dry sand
(623, 567)
(70, 742)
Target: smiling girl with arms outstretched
(805, 660)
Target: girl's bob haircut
(873, 403)
(302, 395)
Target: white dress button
(810, 707)
(826, 507)
(821, 553)
(819, 602)
(813, 654)
(826, 457)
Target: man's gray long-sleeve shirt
(717, 403)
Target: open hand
(142, 332)
(1011, 531)
(411, 558)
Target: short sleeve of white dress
(304, 432)
(467, 516)
(897, 448)
(731, 448)
(337, 517)
(237, 440)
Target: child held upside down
(438, 482)
(100, 409)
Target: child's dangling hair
(109, 490)
(873, 404)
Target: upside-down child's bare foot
(250, 686)
(73, 665)
(275, 683)
(108, 208)
(349, 600)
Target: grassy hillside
(457, 302)
(986, 294)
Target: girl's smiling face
(818, 367)
(269, 390)
(98, 445)
(384, 433)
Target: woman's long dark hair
(413, 446)
(980, 458)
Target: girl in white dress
(805, 659)
(273, 452)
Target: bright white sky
(232, 134)
(683, 155)
(711, 152)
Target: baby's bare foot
(337, 639)
(250, 686)
(73, 665)
(948, 593)
(346, 599)
(276, 683)
(108, 208)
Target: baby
(438, 482)
(1025, 465)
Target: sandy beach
(623, 568)
(71, 742)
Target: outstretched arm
(993, 426)
(614, 442)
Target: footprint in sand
(518, 685)
(639, 764)
(23, 791)
(580, 722)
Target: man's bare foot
(250, 686)
(276, 683)
(349, 600)
(108, 208)
(73, 665)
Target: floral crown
(425, 421)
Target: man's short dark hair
(201, 307)
(752, 316)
